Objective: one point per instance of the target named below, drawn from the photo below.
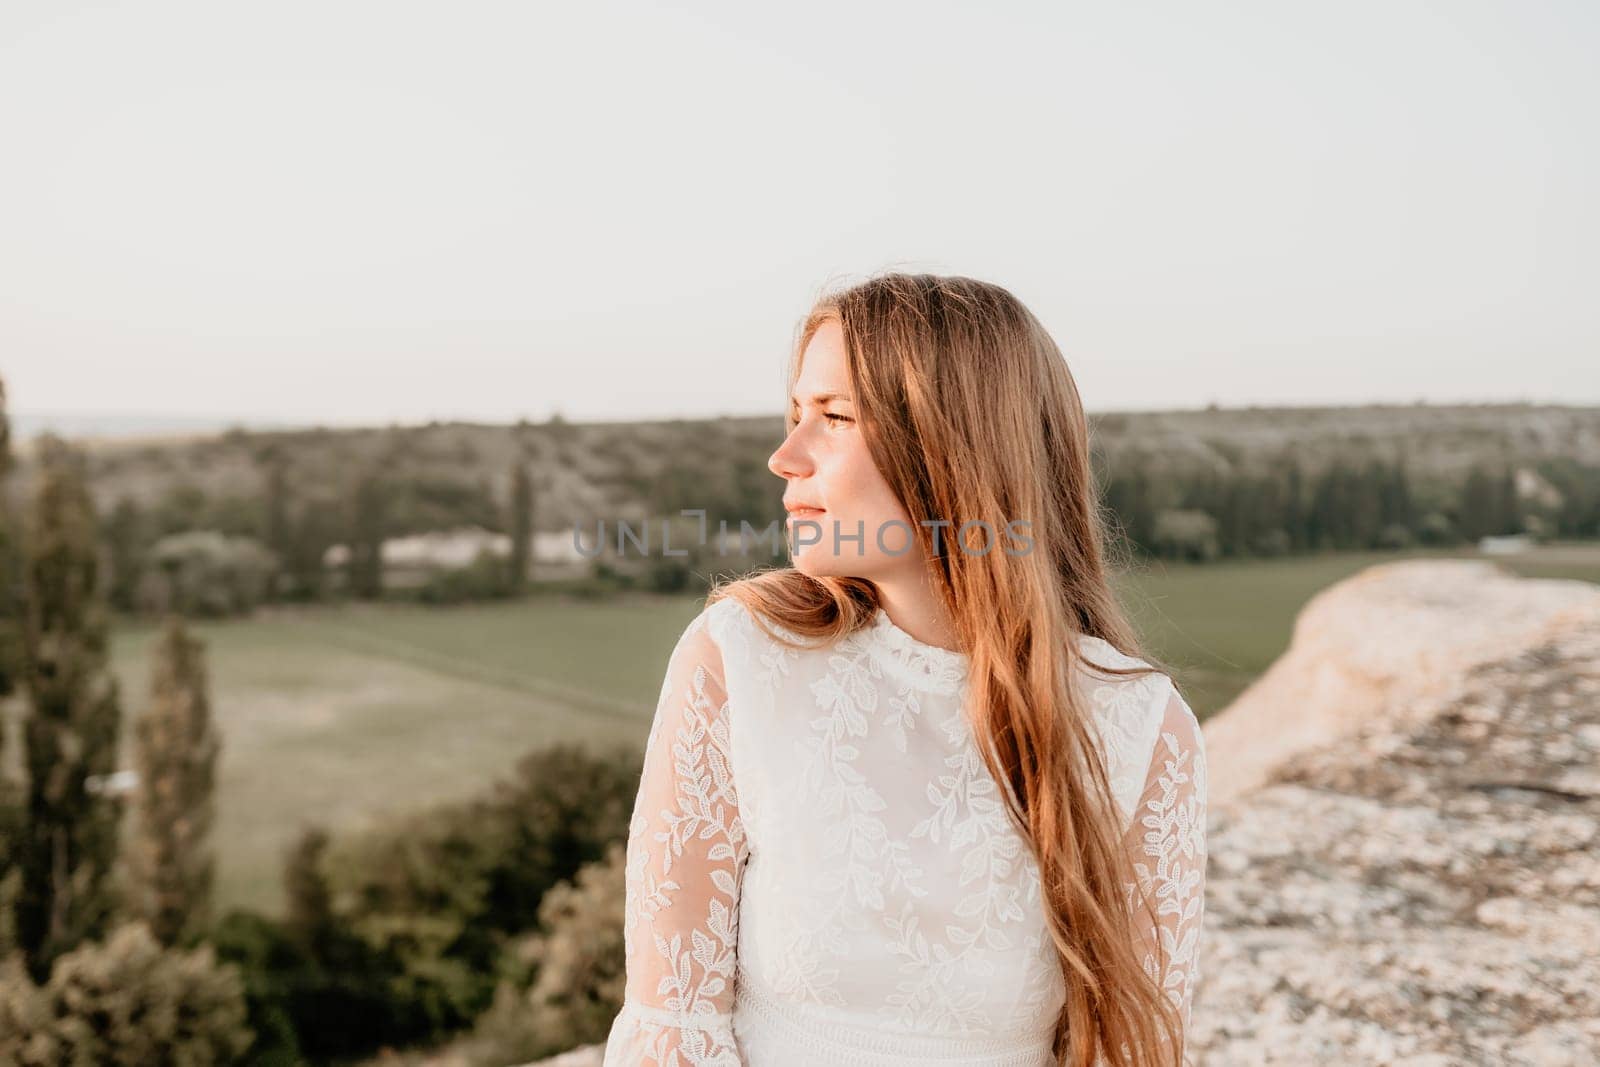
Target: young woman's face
(826, 464)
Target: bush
(407, 933)
(401, 935)
(1186, 534)
(273, 971)
(485, 865)
(487, 577)
(669, 576)
(27, 1022)
(580, 960)
(1274, 542)
(1437, 529)
(579, 967)
(205, 573)
(415, 894)
(564, 807)
(1395, 535)
(125, 1001)
(315, 988)
(600, 582)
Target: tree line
(222, 554)
(1344, 505)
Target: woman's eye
(838, 418)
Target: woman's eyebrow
(822, 398)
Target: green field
(339, 715)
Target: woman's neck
(914, 606)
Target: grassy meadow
(341, 715)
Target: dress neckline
(881, 618)
(950, 663)
(930, 661)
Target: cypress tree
(521, 525)
(1294, 509)
(276, 533)
(1397, 504)
(309, 918)
(10, 574)
(1480, 507)
(366, 538)
(70, 841)
(11, 809)
(1509, 505)
(1324, 517)
(1368, 487)
(128, 537)
(176, 745)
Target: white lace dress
(820, 869)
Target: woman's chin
(818, 564)
(805, 562)
(815, 562)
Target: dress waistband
(834, 1040)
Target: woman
(823, 865)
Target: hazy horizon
(26, 425)
(403, 212)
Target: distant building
(558, 547)
(1508, 545)
(408, 561)
(117, 783)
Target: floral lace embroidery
(1168, 841)
(969, 815)
(685, 859)
(845, 805)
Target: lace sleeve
(1167, 843)
(685, 862)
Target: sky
(354, 212)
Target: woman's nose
(788, 461)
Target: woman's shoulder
(727, 620)
(1129, 710)
(730, 625)
(1098, 662)
(1097, 652)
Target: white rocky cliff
(1405, 835)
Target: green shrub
(578, 969)
(125, 1001)
(487, 577)
(205, 573)
(400, 936)
(409, 932)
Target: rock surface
(1404, 832)
(1423, 889)
(1381, 646)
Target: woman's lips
(805, 513)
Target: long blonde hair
(970, 413)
